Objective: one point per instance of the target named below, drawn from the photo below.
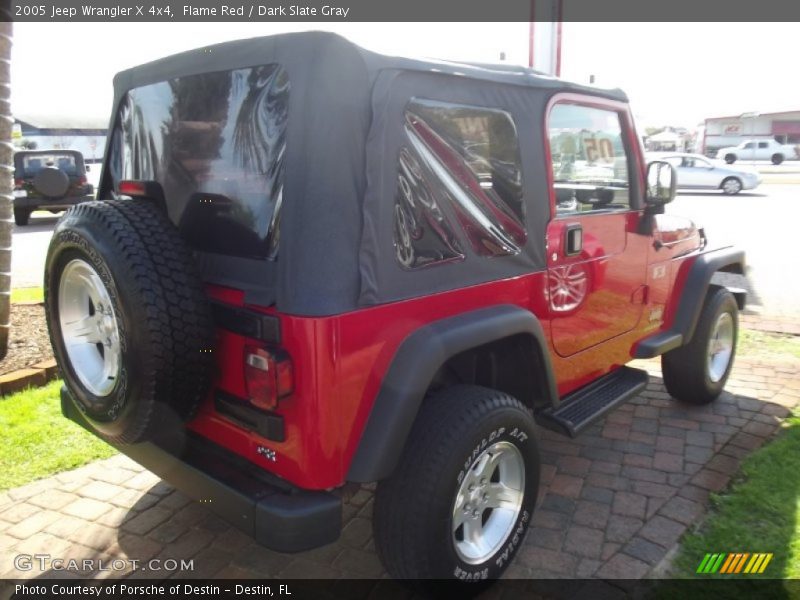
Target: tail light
(268, 375)
(82, 180)
(18, 183)
(132, 188)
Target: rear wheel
(459, 503)
(731, 186)
(21, 216)
(777, 159)
(129, 323)
(730, 158)
(697, 372)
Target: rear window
(31, 165)
(215, 142)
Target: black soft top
(330, 51)
(342, 142)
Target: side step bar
(583, 407)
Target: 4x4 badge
(266, 453)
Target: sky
(674, 73)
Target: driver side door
(596, 258)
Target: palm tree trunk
(6, 181)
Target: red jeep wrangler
(315, 265)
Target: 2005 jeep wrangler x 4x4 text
(314, 265)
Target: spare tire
(129, 322)
(51, 182)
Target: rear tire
(21, 216)
(730, 158)
(697, 372)
(129, 322)
(469, 448)
(777, 159)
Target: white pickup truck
(759, 150)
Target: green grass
(772, 344)
(32, 294)
(37, 441)
(760, 514)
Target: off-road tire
(730, 158)
(162, 314)
(21, 216)
(777, 158)
(686, 369)
(414, 506)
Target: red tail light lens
(268, 375)
(18, 183)
(132, 188)
(82, 180)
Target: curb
(34, 376)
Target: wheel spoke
(460, 518)
(486, 467)
(85, 330)
(502, 496)
(473, 536)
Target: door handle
(573, 239)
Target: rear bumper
(275, 513)
(50, 203)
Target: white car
(758, 150)
(696, 172)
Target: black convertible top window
(461, 160)
(215, 142)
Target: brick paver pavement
(613, 501)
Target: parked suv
(313, 265)
(51, 180)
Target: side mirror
(87, 168)
(662, 181)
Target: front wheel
(696, 373)
(777, 159)
(730, 158)
(459, 503)
(731, 186)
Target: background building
(729, 131)
(87, 135)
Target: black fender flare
(693, 294)
(411, 372)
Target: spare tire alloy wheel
(129, 322)
(89, 327)
(458, 505)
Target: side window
(749, 145)
(702, 164)
(459, 171)
(590, 161)
(763, 145)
